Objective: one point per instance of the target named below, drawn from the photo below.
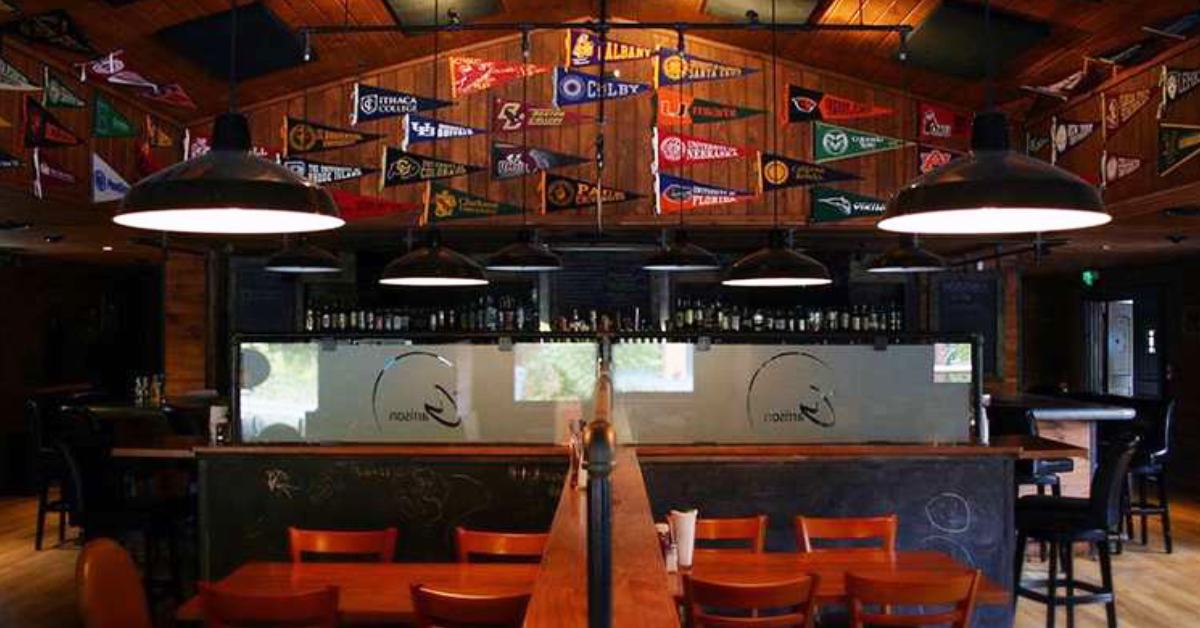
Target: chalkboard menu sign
(970, 303)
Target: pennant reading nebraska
(418, 129)
(673, 150)
(832, 142)
(510, 160)
(1175, 84)
(469, 75)
(777, 172)
(43, 129)
(1177, 144)
(583, 49)
(1119, 109)
(323, 173)
(401, 168)
(302, 136)
(830, 205)
(559, 192)
(673, 67)
(1114, 167)
(369, 102)
(577, 88)
(446, 203)
(805, 105)
(675, 194)
(1066, 135)
(513, 115)
(671, 107)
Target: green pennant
(108, 122)
(446, 203)
(832, 142)
(1177, 144)
(56, 93)
(830, 205)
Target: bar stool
(1062, 521)
(1039, 473)
(1149, 467)
(48, 472)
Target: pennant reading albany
(583, 49)
(559, 193)
(302, 136)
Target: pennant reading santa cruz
(583, 49)
(418, 129)
(777, 172)
(400, 168)
(1175, 84)
(675, 194)
(512, 115)
(445, 203)
(302, 136)
(559, 193)
(510, 160)
(673, 67)
(323, 173)
(671, 107)
(369, 102)
(1118, 109)
(830, 205)
(832, 142)
(577, 88)
(1066, 135)
(673, 150)
(806, 105)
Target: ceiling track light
(433, 265)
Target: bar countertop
(1053, 408)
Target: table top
(1038, 448)
(169, 447)
(125, 411)
(1052, 408)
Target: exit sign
(1090, 277)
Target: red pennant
(43, 129)
(673, 150)
(836, 108)
(146, 163)
(356, 207)
(469, 75)
(935, 122)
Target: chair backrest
(714, 603)
(380, 545)
(449, 609)
(109, 588)
(750, 531)
(316, 608)
(810, 529)
(874, 598)
(527, 545)
(1109, 481)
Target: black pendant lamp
(681, 255)
(228, 190)
(303, 258)
(433, 265)
(777, 266)
(526, 255)
(907, 257)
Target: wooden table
(166, 448)
(372, 592)
(1038, 448)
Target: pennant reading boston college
(13, 80)
(674, 150)
(930, 158)
(671, 107)
(938, 123)
(675, 194)
(108, 122)
(53, 28)
(445, 203)
(577, 88)
(1177, 144)
(1066, 135)
(673, 67)
(1115, 167)
(510, 160)
(1119, 109)
(777, 172)
(583, 49)
(469, 75)
(1175, 84)
(43, 129)
(806, 105)
(369, 102)
(56, 93)
(513, 115)
(830, 205)
(419, 129)
(302, 136)
(401, 168)
(107, 183)
(323, 173)
(559, 193)
(831, 143)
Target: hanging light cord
(774, 128)
(602, 27)
(525, 125)
(679, 92)
(990, 59)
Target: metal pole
(604, 25)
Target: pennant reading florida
(43, 129)
(1120, 108)
(1177, 144)
(671, 107)
(108, 122)
(577, 88)
(419, 129)
(673, 150)
(510, 160)
(930, 158)
(1067, 135)
(446, 203)
(513, 115)
(368, 102)
(469, 75)
(559, 192)
(673, 67)
(401, 168)
(831, 143)
(107, 183)
(1115, 167)
(302, 136)
(56, 93)
(935, 122)
(1175, 84)
(805, 105)
(583, 49)
(53, 28)
(777, 172)
(830, 205)
(13, 80)
(323, 173)
(676, 194)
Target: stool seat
(1054, 465)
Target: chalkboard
(247, 501)
(970, 303)
(606, 282)
(263, 302)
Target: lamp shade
(995, 190)
(777, 266)
(681, 255)
(433, 265)
(228, 191)
(907, 258)
(303, 259)
(526, 255)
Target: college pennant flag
(129, 78)
(196, 146)
(401, 168)
(1175, 84)
(353, 207)
(469, 75)
(53, 28)
(938, 123)
(1119, 109)
(671, 107)
(777, 172)
(1036, 142)
(806, 105)
(830, 205)
(1115, 167)
(577, 88)
(107, 184)
(832, 142)
(106, 65)
(513, 115)
(559, 193)
(56, 93)
(13, 80)
(510, 160)
(583, 49)
(1179, 28)
(1177, 144)
(145, 161)
(419, 129)
(446, 203)
(43, 129)
(156, 135)
(302, 136)
(370, 102)
(1087, 77)
(323, 173)
(172, 95)
(8, 161)
(676, 194)
(108, 122)
(1067, 135)
(674, 150)
(674, 67)
(1128, 55)
(930, 158)
(45, 171)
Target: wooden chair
(716, 604)
(316, 608)
(752, 531)
(378, 543)
(448, 609)
(109, 588)
(810, 529)
(524, 545)
(885, 592)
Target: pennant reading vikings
(510, 161)
(831, 143)
(156, 135)
(354, 207)
(583, 49)
(369, 102)
(107, 121)
(1175, 84)
(1176, 28)
(302, 136)
(930, 158)
(43, 129)
(469, 75)
(8, 161)
(1115, 167)
(673, 150)
(401, 168)
(671, 107)
(559, 192)
(53, 28)
(830, 205)
(1120, 108)
(1177, 144)
(935, 122)
(577, 88)
(449, 204)
(777, 172)
(513, 115)
(1067, 135)
(107, 184)
(323, 173)
(805, 105)
(673, 67)
(13, 80)
(56, 93)
(172, 94)
(419, 129)
(676, 194)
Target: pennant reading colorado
(1115, 167)
(1067, 135)
(400, 168)
(930, 158)
(559, 192)
(672, 150)
(469, 75)
(449, 204)
(830, 205)
(510, 160)
(56, 93)
(513, 115)
(777, 172)
(1177, 144)
(577, 88)
(419, 129)
(805, 105)
(301, 136)
(13, 80)
(43, 129)
(1120, 108)
(369, 102)
(676, 194)
(831, 143)
(672, 67)
(671, 107)
(583, 49)
(935, 122)
(1175, 84)
(323, 173)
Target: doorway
(1123, 357)
(1119, 348)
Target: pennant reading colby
(513, 115)
(13, 80)
(354, 207)
(777, 172)
(369, 102)
(935, 122)
(1115, 167)
(830, 205)
(559, 193)
(672, 67)
(671, 107)
(53, 28)
(676, 194)
(157, 135)
(56, 93)
(108, 122)
(583, 49)
(673, 150)
(302, 136)
(419, 129)
(469, 75)
(806, 105)
(577, 88)
(510, 160)
(43, 129)
(930, 158)
(107, 184)
(401, 168)
(1120, 108)
(449, 204)
(1067, 135)
(1177, 144)
(323, 173)
(1175, 84)
(831, 143)
(172, 94)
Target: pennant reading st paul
(673, 150)
(578, 88)
(446, 203)
(777, 172)
(401, 168)
(512, 115)
(368, 102)
(559, 193)
(831, 143)
(830, 205)
(418, 129)
(469, 75)
(43, 129)
(805, 105)
(583, 49)
(302, 136)
(1177, 144)
(671, 107)
(675, 194)
(323, 173)
(510, 161)
(1119, 109)
(1175, 84)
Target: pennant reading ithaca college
(1177, 144)
(449, 204)
(1066, 135)
(369, 102)
(1175, 84)
(830, 205)
(108, 122)
(671, 107)
(469, 75)
(1115, 167)
(53, 28)
(674, 150)
(831, 143)
(401, 168)
(559, 193)
(777, 172)
(419, 129)
(583, 49)
(1120, 108)
(675, 194)
(938, 123)
(673, 67)
(323, 173)
(13, 80)
(577, 88)
(930, 158)
(107, 183)
(172, 94)
(43, 129)
(56, 93)
(805, 105)
(302, 136)
(513, 115)
(511, 160)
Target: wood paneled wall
(185, 328)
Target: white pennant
(107, 184)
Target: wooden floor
(1153, 589)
